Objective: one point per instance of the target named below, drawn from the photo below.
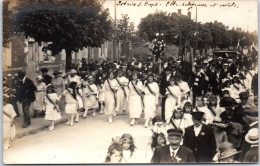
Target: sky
(243, 14)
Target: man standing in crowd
(174, 152)
(200, 139)
(46, 78)
(25, 95)
(164, 83)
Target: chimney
(179, 11)
(215, 22)
(189, 15)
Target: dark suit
(203, 146)
(163, 85)
(162, 155)
(252, 155)
(25, 95)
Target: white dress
(150, 100)
(71, 105)
(90, 96)
(39, 96)
(135, 106)
(171, 101)
(8, 115)
(121, 93)
(185, 89)
(110, 98)
(51, 113)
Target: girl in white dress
(101, 94)
(173, 93)
(90, 96)
(51, 104)
(135, 99)
(236, 88)
(8, 122)
(129, 148)
(184, 87)
(121, 93)
(151, 94)
(38, 104)
(110, 87)
(71, 102)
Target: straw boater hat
(252, 136)
(226, 150)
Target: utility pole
(196, 14)
(114, 41)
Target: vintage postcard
(130, 81)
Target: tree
(204, 37)
(64, 24)
(159, 22)
(7, 24)
(125, 28)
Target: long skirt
(170, 103)
(38, 103)
(90, 102)
(109, 103)
(121, 100)
(149, 106)
(135, 106)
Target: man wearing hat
(249, 110)
(227, 153)
(251, 137)
(164, 83)
(25, 95)
(46, 78)
(234, 118)
(200, 139)
(174, 152)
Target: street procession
(176, 101)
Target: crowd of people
(207, 115)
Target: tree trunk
(68, 59)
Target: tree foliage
(7, 24)
(178, 29)
(64, 24)
(125, 29)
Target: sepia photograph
(130, 81)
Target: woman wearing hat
(151, 94)
(227, 153)
(38, 105)
(135, 98)
(173, 93)
(110, 87)
(58, 82)
(8, 122)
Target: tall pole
(114, 44)
(196, 14)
